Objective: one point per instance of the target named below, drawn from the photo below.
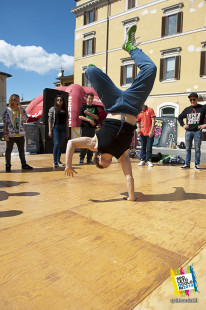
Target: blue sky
(36, 40)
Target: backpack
(182, 145)
(175, 160)
(156, 157)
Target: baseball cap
(193, 95)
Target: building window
(89, 17)
(203, 60)
(89, 43)
(128, 72)
(172, 20)
(168, 111)
(131, 4)
(127, 24)
(170, 64)
(85, 81)
(169, 68)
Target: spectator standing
(89, 115)
(146, 119)
(58, 128)
(194, 115)
(14, 118)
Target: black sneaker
(8, 167)
(185, 167)
(81, 161)
(60, 164)
(56, 165)
(26, 167)
(197, 167)
(90, 162)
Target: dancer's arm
(127, 169)
(83, 143)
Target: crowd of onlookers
(15, 116)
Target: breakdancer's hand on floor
(69, 171)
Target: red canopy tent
(77, 96)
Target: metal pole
(107, 38)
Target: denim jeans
(59, 135)
(189, 136)
(146, 147)
(9, 146)
(131, 100)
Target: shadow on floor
(10, 213)
(4, 195)
(10, 183)
(178, 195)
(46, 169)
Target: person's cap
(193, 95)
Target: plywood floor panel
(74, 243)
(71, 257)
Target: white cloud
(33, 58)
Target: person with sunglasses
(194, 115)
(58, 127)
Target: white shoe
(60, 164)
(149, 164)
(141, 163)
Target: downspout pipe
(107, 37)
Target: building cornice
(89, 5)
(148, 42)
(174, 50)
(6, 74)
(131, 20)
(172, 8)
(101, 2)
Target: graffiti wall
(165, 131)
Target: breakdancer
(115, 136)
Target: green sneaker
(91, 65)
(127, 45)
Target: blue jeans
(146, 147)
(131, 100)
(59, 135)
(189, 136)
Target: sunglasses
(193, 100)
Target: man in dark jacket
(195, 115)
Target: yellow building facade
(172, 33)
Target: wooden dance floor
(74, 243)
